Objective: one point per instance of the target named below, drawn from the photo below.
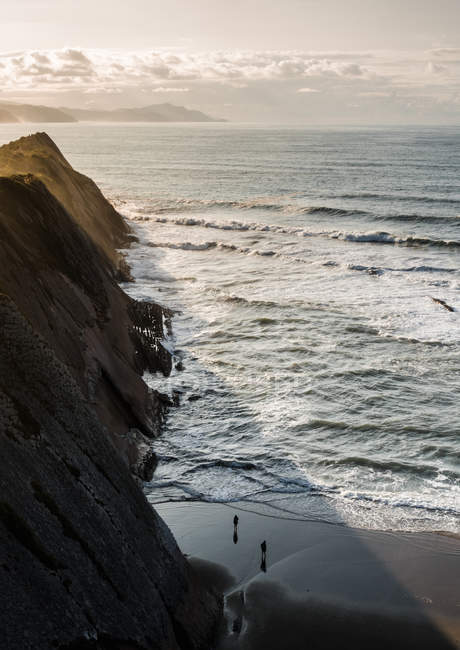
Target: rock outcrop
(85, 561)
(38, 155)
(65, 287)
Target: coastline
(404, 582)
(407, 580)
(85, 561)
(336, 585)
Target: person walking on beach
(263, 561)
(235, 529)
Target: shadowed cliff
(83, 556)
(64, 286)
(85, 562)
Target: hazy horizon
(306, 62)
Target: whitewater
(316, 366)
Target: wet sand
(323, 585)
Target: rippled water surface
(320, 379)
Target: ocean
(317, 375)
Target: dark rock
(83, 555)
(63, 285)
(443, 303)
(85, 562)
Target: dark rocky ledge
(85, 561)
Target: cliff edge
(37, 154)
(85, 561)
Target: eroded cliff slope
(85, 562)
(64, 286)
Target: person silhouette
(235, 529)
(263, 561)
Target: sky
(295, 61)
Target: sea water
(318, 378)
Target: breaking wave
(375, 237)
(207, 245)
(383, 237)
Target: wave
(377, 270)
(157, 210)
(203, 246)
(376, 237)
(419, 218)
(252, 303)
(162, 206)
(409, 502)
(403, 199)
(427, 269)
(396, 467)
(383, 237)
(238, 226)
(293, 230)
(335, 212)
(371, 270)
(269, 484)
(372, 237)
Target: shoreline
(342, 524)
(405, 578)
(390, 508)
(407, 585)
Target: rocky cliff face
(85, 562)
(38, 155)
(64, 286)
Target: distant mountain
(153, 113)
(6, 116)
(30, 113)
(10, 113)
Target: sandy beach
(333, 585)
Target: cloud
(75, 67)
(446, 53)
(268, 81)
(58, 67)
(171, 89)
(103, 91)
(435, 68)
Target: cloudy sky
(311, 61)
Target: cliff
(38, 155)
(65, 287)
(85, 561)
